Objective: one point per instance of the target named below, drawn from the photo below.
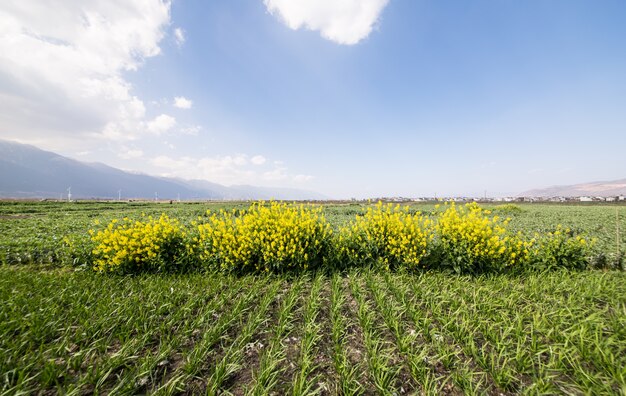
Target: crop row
(39, 232)
(278, 237)
(362, 333)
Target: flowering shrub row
(279, 237)
(471, 241)
(387, 237)
(150, 245)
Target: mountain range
(592, 189)
(29, 172)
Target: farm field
(67, 330)
(363, 333)
(32, 232)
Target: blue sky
(408, 98)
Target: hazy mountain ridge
(593, 189)
(29, 172)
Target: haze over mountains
(29, 172)
(592, 189)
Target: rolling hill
(29, 172)
(594, 189)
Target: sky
(348, 98)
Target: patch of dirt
(199, 385)
(461, 358)
(242, 379)
(15, 217)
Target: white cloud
(161, 124)
(163, 161)
(342, 21)
(220, 169)
(192, 130)
(128, 153)
(62, 67)
(302, 178)
(182, 103)
(179, 36)
(276, 174)
(258, 160)
(226, 169)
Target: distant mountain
(29, 172)
(593, 189)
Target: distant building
(557, 199)
(585, 199)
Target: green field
(66, 330)
(32, 232)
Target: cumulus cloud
(128, 153)
(192, 130)
(161, 124)
(62, 67)
(182, 103)
(258, 160)
(342, 21)
(227, 169)
(302, 178)
(276, 174)
(179, 36)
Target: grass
(67, 331)
(33, 232)
(366, 332)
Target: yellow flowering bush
(385, 236)
(561, 248)
(509, 209)
(280, 237)
(127, 246)
(267, 237)
(469, 241)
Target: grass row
(363, 333)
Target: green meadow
(65, 329)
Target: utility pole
(69, 194)
(156, 196)
(119, 195)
